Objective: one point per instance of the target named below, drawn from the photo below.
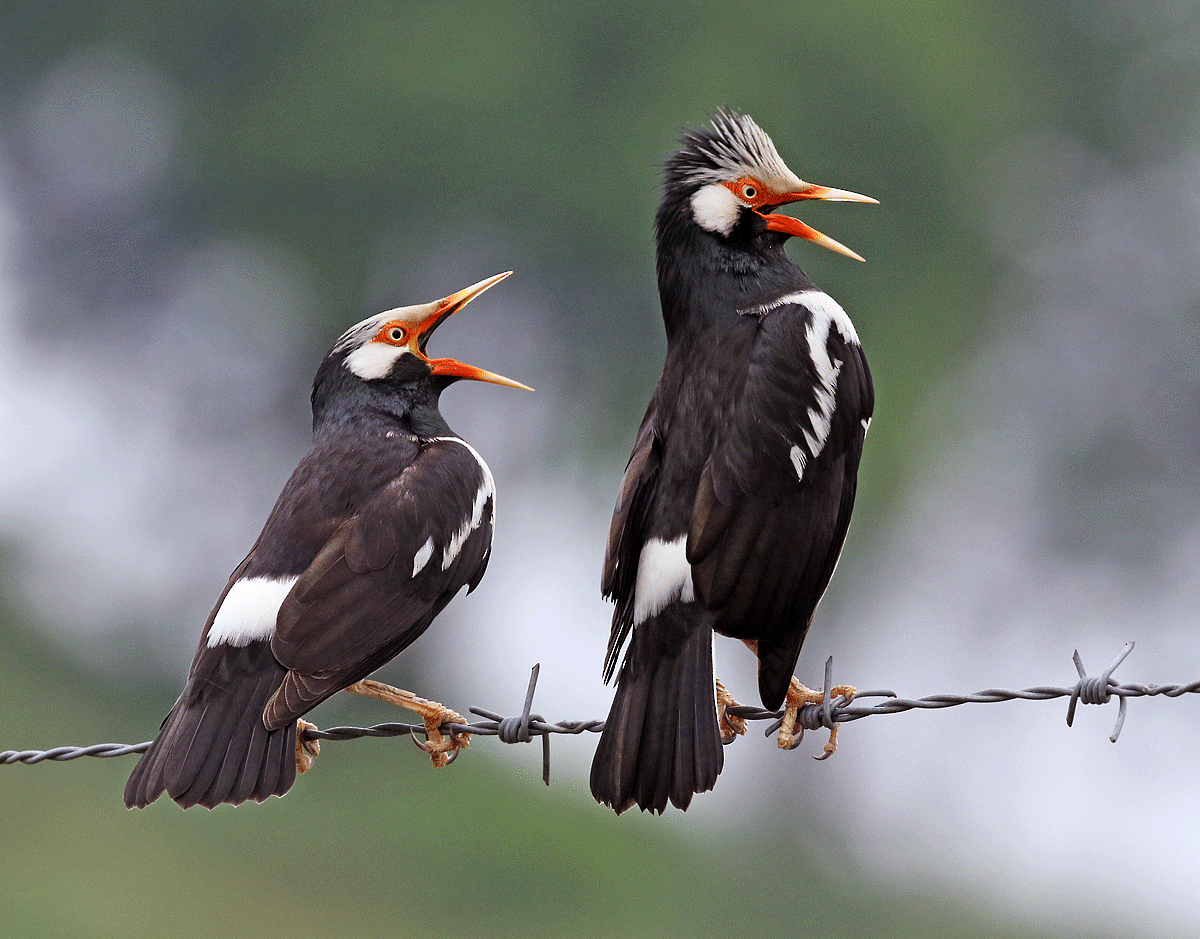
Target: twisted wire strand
(832, 710)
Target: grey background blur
(194, 202)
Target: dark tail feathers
(213, 747)
(661, 740)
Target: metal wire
(832, 710)
(1088, 690)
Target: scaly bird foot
(730, 726)
(306, 750)
(442, 748)
(798, 696)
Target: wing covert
(775, 496)
(626, 536)
(384, 575)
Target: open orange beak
(797, 228)
(442, 310)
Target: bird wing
(775, 496)
(626, 535)
(383, 576)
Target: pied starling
(735, 503)
(385, 519)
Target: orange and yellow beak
(442, 310)
(797, 228)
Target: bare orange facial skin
(410, 333)
(764, 200)
(395, 333)
(758, 197)
(405, 336)
(752, 192)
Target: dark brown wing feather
(359, 603)
(764, 538)
(627, 535)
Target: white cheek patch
(664, 576)
(249, 611)
(715, 208)
(374, 360)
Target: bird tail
(213, 746)
(661, 740)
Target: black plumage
(384, 520)
(736, 500)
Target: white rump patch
(486, 491)
(715, 208)
(374, 360)
(249, 611)
(664, 576)
(866, 422)
(421, 558)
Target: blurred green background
(196, 198)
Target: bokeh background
(196, 198)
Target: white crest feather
(741, 148)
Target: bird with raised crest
(735, 503)
(385, 519)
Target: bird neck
(379, 407)
(705, 279)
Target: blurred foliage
(371, 139)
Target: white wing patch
(824, 307)
(421, 558)
(664, 576)
(799, 460)
(486, 492)
(827, 314)
(249, 611)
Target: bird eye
(396, 334)
(749, 192)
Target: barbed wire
(1099, 689)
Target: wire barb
(517, 729)
(830, 711)
(1098, 690)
